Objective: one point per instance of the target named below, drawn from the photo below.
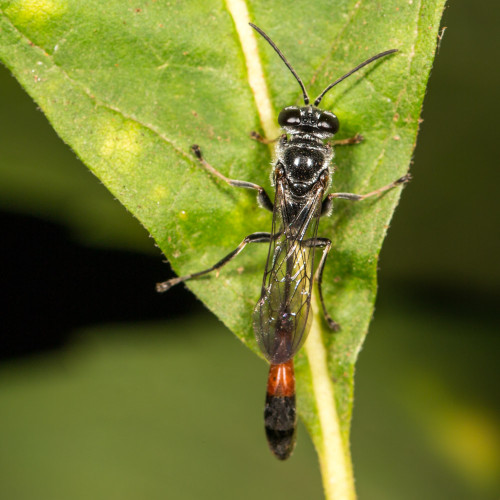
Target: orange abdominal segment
(281, 381)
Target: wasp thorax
(308, 120)
(303, 163)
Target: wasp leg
(347, 142)
(326, 244)
(358, 197)
(262, 196)
(257, 137)
(252, 238)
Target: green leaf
(130, 86)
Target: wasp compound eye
(289, 117)
(328, 122)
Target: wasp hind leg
(326, 244)
(252, 238)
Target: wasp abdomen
(280, 415)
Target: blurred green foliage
(173, 410)
(144, 411)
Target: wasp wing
(282, 317)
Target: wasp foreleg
(349, 141)
(264, 140)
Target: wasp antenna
(358, 67)
(283, 58)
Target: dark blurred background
(108, 390)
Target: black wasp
(282, 316)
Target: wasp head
(308, 120)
